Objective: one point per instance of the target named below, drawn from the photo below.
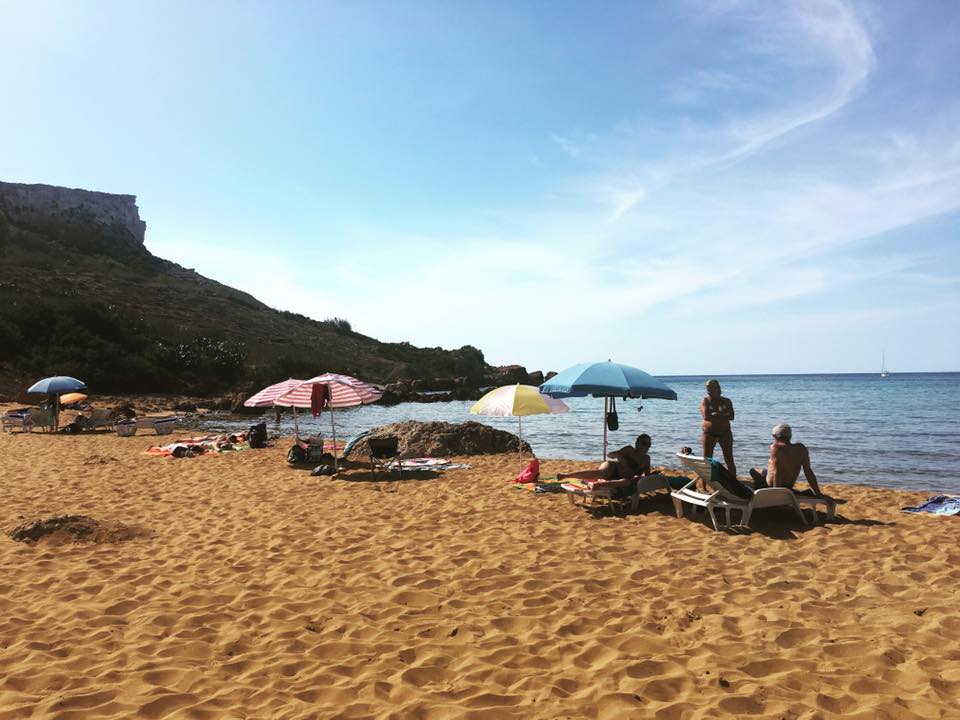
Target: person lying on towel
(627, 464)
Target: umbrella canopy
(345, 391)
(606, 380)
(269, 395)
(517, 400)
(71, 398)
(57, 384)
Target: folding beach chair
(27, 419)
(98, 418)
(384, 455)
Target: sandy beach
(231, 586)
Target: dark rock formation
(76, 528)
(58, 210)
(440, 439)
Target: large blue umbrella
(606, 380)
(57, 384)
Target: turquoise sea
(896, 432)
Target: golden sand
(246, 589)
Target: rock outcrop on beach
(440, 439)
(81, 295)
(73, 528)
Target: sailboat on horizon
(883, 366)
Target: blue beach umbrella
(606, 380)
(57, 384)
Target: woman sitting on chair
(628, 462)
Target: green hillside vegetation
(80, 299)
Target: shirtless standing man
(786, 461)
(717, 412)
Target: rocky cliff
(63, 212)
(81, 295)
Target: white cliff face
(43, 206)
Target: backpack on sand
(257, 435)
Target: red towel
(319, 399)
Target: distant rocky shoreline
(418, 391)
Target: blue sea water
(896, 432)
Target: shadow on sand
(775, 522)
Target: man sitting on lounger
(627, 463)
(786, 461)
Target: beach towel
(353, 441)
(428, 464)
(937, 505)
(723, 477)
(548, 487)
(195, 446)
(319, 398)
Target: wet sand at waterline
(231, 586)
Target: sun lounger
(161, 425)
(13, 419)
(728, 499)
(598, 492)
(98, 418)
(27, 419)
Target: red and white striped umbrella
(345, 391)
(269, 395)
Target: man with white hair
(786, 461)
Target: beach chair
(13, 419)
(743, 499)
(98, 418)
(384, 455)
(599, 493)
(160, 425)
(704, 469)
(27, 419)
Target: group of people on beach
(787, 458)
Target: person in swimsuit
(717, 412)
(786, 461)
(628, 462)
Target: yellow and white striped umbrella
(517, 401)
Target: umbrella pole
(520, 446)
(333, 429)
(606, 403)
(296, 425)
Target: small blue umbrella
(606, 380)
(57, 384)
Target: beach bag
(613, 420)
(297, 455)
(531, 473)
(326, 468)
(257, 435)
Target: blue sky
(688, 187)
